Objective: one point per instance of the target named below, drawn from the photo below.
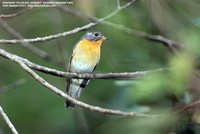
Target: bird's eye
(96, 34)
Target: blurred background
(33, 109)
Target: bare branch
(8, 122)
(12, 85)
(42, 54)
(124, 75)
(170, 44)
(5, 16)
(75, 30)
(65, 96)
(188, 106)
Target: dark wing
(68, 80)
(84, 83)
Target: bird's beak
(105, 38)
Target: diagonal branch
(75, 30)
(124, 75)
(65, 96)
(170, 44)
(12, 85)
(42, 54)
(8, 122)
(5, 16)
(188, 106)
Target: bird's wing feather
(68, 80)
(84, 83)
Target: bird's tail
(73, 92)
(69, 104)
(74, 89)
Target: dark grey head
(93, 36)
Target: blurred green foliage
(33, 109)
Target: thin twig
(75, 30)
(188, 106)
(12, 85)
(5, 16)
(170, 44)
(42, 54)
(65, 96)
(8, 122)
(124, 75)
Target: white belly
(82, 67)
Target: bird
(84, 59)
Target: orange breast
(88, 52)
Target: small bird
(85, 57)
